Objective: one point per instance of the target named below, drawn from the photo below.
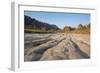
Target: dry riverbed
(59, 46)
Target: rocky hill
(32, 23)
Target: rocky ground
(60, 46)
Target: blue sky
(59, 18)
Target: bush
(35, 31)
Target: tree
(66, 29)
(88, 26)
(80, 26)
